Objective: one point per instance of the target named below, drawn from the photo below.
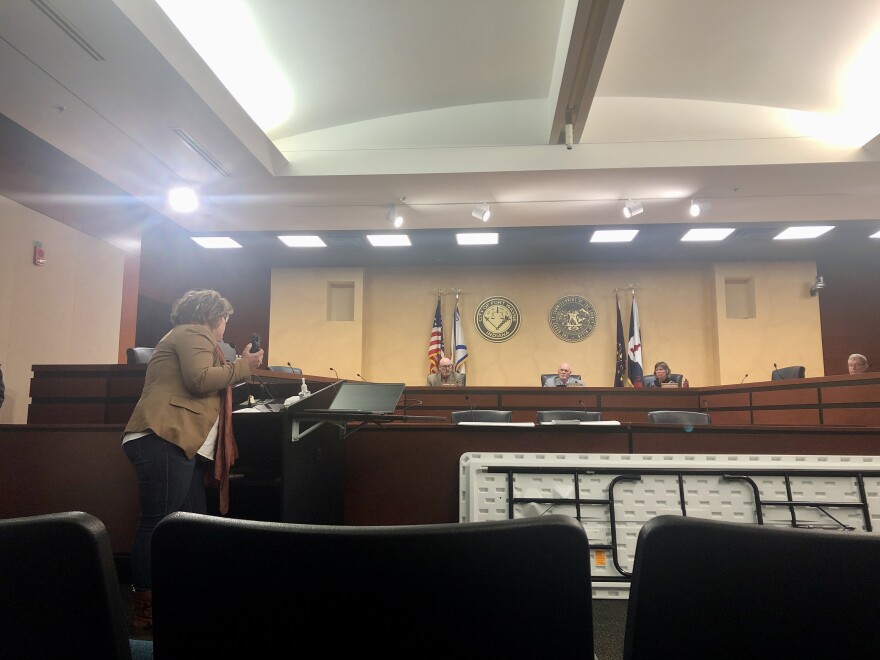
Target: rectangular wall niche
(340, 301)
(739, 297)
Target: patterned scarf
(225, 451)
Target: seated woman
(662, 377)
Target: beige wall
(682, 310)
(65, 312)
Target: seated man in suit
(563, 378)
(446, 376)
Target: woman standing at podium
(182, 422)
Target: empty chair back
(678, 417)
(786, 373)
(579, 415)
(500, 416)
(59, 594)
(225, 587)
(709, 589)
(138, 354)
(286, 369)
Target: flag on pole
(459, 348)
(435, 343)
(636, 369)
(620, 369)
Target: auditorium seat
(710, 589)
(226, 587)
(59, 593)
(678, 417)
(499, 416)
(579, 415)
(138, 354)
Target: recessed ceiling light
(802, 232)
(215, 242)
(183, 199)
(875, 235)
(486, 238)
(388, 240)
(708, 234)
(613, 235)
(302, 241)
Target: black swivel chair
(546, 377)
(678, 417)
(138, 354)
(499, 416)
(285, 369)
(787, 373)
(59, 593)
(648, 381)
(226, 587)
(579, 415)
(711, 589)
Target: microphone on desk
(335, 372)
(775, 369)
(291, 366)
(407, 406)
(266, 389)
(365, 380)
(744, 379)
(706, 406)
(468, 399)
(583, 406)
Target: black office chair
(710, 589)
(226, 587)
(59, 593)
(579, 415)
(500, 416)
(286, 369)
(787, 373)
(138, 354)
(690, 417)
(546, 377)
(648, 381)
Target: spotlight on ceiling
(694, 209)
(819, 284)
(632, 208)
(394, 217)
(481, 212)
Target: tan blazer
(181, 397)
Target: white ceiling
(448, 104)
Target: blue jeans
(168, 481)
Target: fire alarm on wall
(39, 254)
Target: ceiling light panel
(485, 238)
(302, 241)
(388, 240)
(802, 232)
(216, 242)
(613, 235)
(708, 234)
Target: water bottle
(685, 383)
(304, 390)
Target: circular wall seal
(497, 319)
(572, 318)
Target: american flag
(435, 343)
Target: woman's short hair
(202, 306)
(662, 365)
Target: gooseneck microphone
(706, 406)
(291, 366)
(365, 380)
(468, 399)
(744, 379)
(335, 372)
(583, 406)
(775, 370)
(266, 389)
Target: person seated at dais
(662, 376)
(446, 376)
(563, 378)
(857, 363)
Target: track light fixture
(819, 284)
(694, 209)
(394, 217)
(632, 208)
(481, 212)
